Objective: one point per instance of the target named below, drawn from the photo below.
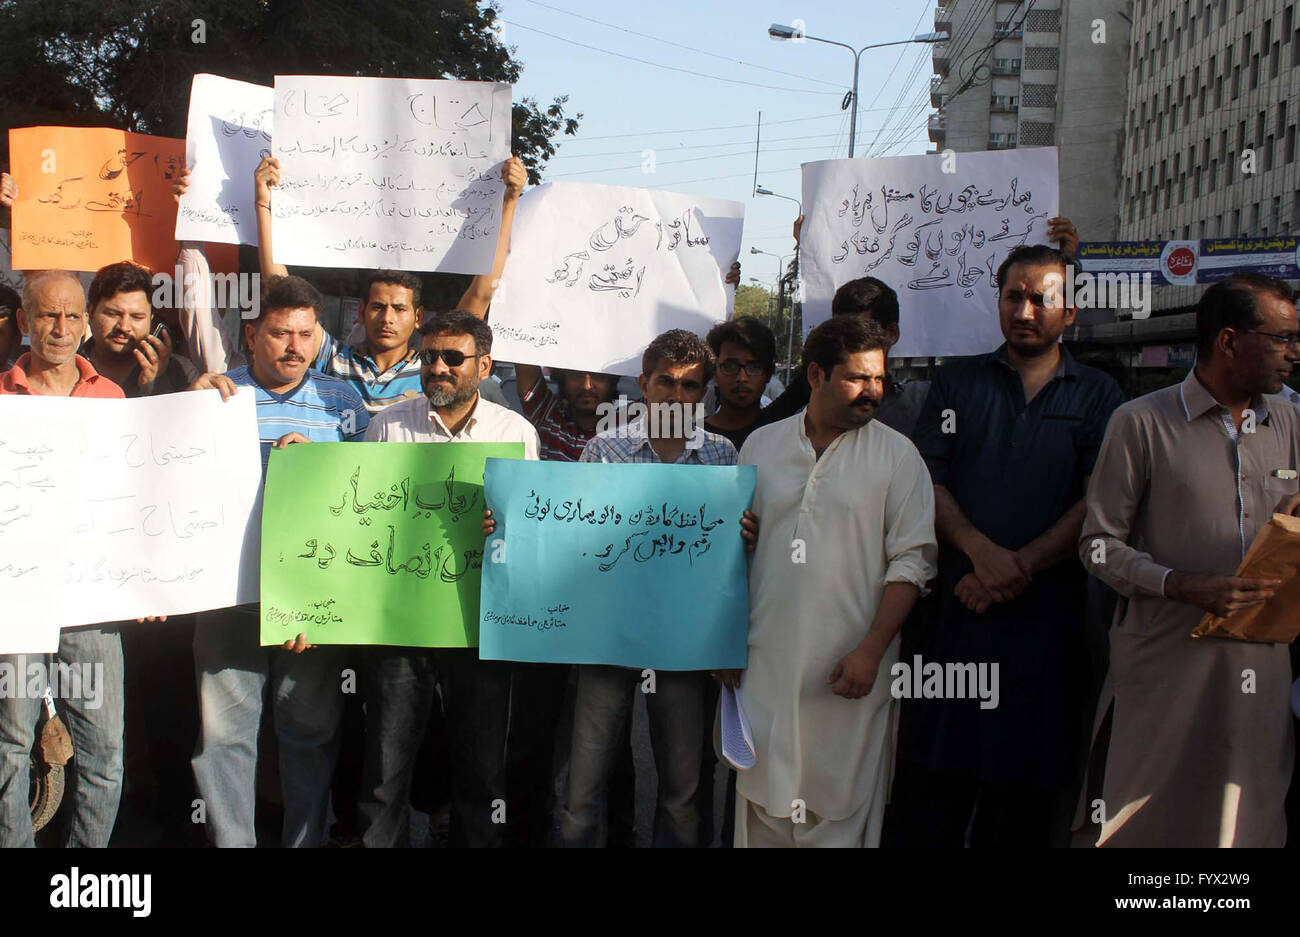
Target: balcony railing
(940, 58)
(1006, 66)
(936, 94)
(1004, 103)
(1002, 141)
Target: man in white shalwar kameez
(846, 543)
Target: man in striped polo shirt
(385, 368)
(294, 405)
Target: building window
(1268, 153)
(1038, 96)
(1044, 57)
(1274, 60)
(1037, 133)
(1043, 21)
(1290, 143)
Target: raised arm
(266, 175)
(479, 295)
(204, 341)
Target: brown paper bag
(1275, 554)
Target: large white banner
(228, 133)
(399, 173)
(116, 509)
(597, 271)
(935, 228)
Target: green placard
(375, 543)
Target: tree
(129, 65)
(754, 301)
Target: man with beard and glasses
(294, 405)
(455, 356)
(121, 346)
(1010, 438)
(1201, 741)
(846, 544)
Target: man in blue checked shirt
(675, 370)
(294, 405)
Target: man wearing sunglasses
(455, 355)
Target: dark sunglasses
(453, 357)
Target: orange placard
(89, 197)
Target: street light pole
(777, 31)
(780, 287)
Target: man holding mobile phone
(122, 347)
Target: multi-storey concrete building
(1039, 73)
(1211, 124)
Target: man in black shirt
(746, 353)
(901, 405)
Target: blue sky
(626, 105)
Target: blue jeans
(676, 713)
(93, 713)
(306, 690)
(400, 692)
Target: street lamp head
(931, 37)
(760, 190)
(755, 250)
(779, 32)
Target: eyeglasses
(732, 368)
(453, 357)
(1290, 339)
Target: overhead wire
(678, 45)
(671, 68)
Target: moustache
(115, 334)
(292, 359)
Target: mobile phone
(158, 331)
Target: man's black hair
(840, 336)
(1233, 303)
(867, 296)
(124, 277)
(459, 322)
(397, 278)
(748, 333)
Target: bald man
(53, 315)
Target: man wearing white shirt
(847, 543)
(455, 354)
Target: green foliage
(129, 64)
(117, 63)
